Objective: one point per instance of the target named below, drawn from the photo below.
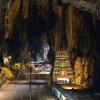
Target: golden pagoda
(63, 73)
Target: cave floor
(21, 92)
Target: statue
(87, 64)
(78, 69)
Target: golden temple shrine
(79, 75)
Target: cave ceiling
(29, 22)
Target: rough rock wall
(82, 33)
(76, 36)
(16, 13)
(10, 15)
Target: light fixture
(9, 57)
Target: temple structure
(63, 72)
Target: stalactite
(75, 32)
(10, 16)
(25, 8)
(82, 31)
(69, 28)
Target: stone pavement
(21, 92)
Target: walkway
(21, 91)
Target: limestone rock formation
(67, 28)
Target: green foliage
(6, 73)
